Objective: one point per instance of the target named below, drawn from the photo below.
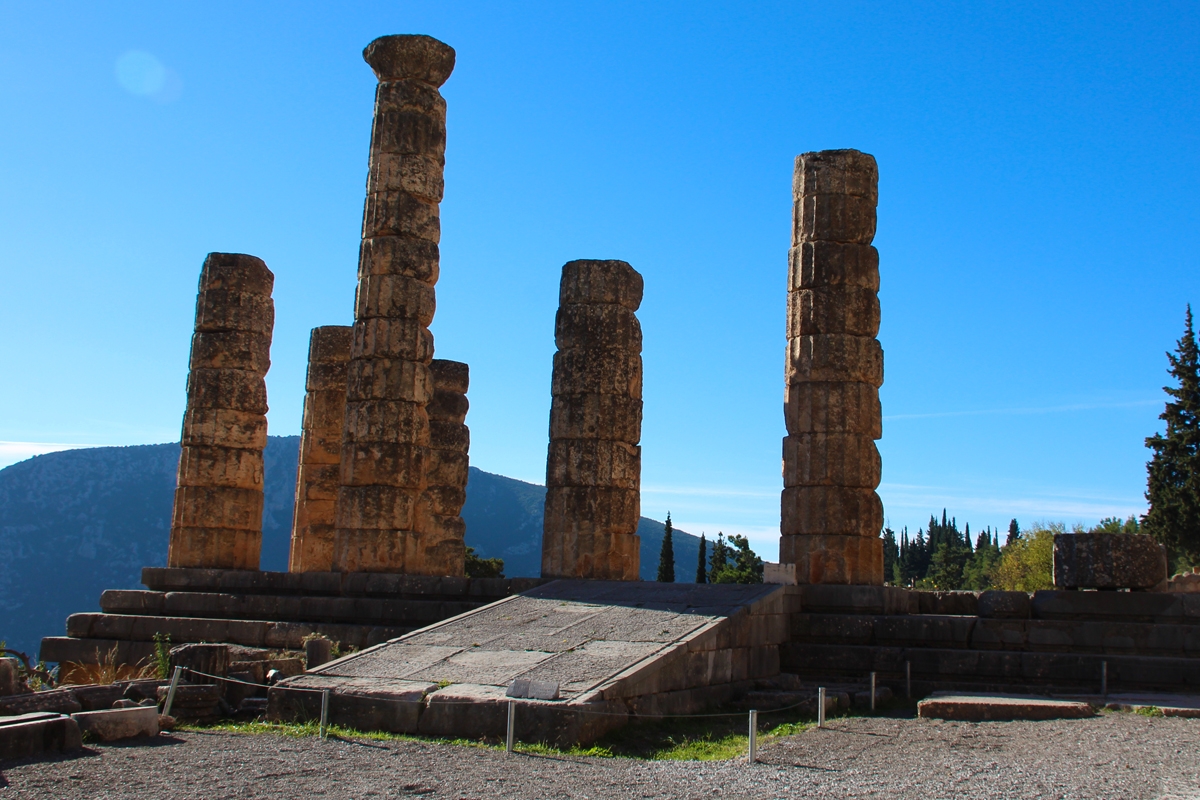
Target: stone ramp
(616, 649)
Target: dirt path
(1112, 756)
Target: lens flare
(139, 72)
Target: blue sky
(1037, 222)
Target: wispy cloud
(13, 452)
(1016, 411)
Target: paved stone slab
(118, 723)
(989, 707)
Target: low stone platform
(269, 610)
(1000, 707)
(616, 650)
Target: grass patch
(1148, 711)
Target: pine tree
(719, 558)
(1014, 533)
(891, 553)
(702, 562)
(666, 556)
(1173, 472)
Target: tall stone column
(440, 518)
(217, 517)
(594, 466)
(831, 516)
(314, 520)
(385, 444)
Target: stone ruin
(831, 516)
(594, 465)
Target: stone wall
(831, 515)
(593, 469)
(217, 516)
(386, 436)
(314, 519)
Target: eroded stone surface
(593, 466)
(217, 515)
(831, 515)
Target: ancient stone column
(217, 518)
(385, 442)
(314, 521)
(440, 511)
(831, 515)
(594, 466)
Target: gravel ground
(1111, 756)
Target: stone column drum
(831, 516)
(217, 518)
(385, 443)
(440, 516)
(314, 519)
(593, 470)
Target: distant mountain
(77, 522)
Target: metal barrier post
(821, 707)
(324, 713)
(872, 691)
(753, 736)
(512, 724)
(1104, 678)
(908, 679)
(171, 692)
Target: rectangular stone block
(817, 407)
(593, 508)
(813, 265)
(236, 272)
(836, 172)
(375, 550)
(581, 371)
(449, 436)
(214, 548)
(234, 389)
(225, 310)
(448, 406)
(446, 468)
(312, 543)
(833, 310)
(217, 507)
(221, 466)
(392, 213)
(327, 377)
(318, 481)
(450, 376)
(114, 724)
(320, 445)
(385, 421)
(33, 737)
(835, 510)
(594, 462)
(330, 344)
(833, 218)
(601, 282)
(408, 129)
(835, 357)
(830, 459)
(592, 553)
(383, 464)
(397, 297)
(417, 174)
(614, 417)
(856, 560)
(1108, 561)
(231, 350)
(399, 255)
(597, 325)
(223, 427)
(388, 379)
(377, 508)
(396, 338)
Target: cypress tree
(891, 553)
(1014, 533)
(702, 563)
(1173, 472)
(666, 556)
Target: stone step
(286, 608)
(338, 584)
(989, 707)
(937, 668)
(978, 633)
(251, 633)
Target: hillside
(76, 522)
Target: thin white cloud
(1045, 410)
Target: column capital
(410, 57)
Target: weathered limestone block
(1108, 561)
(386, 434)
(440, 513)
(593, 464)
(854, 560)
(831, 515)
(314, 519)
(217, 515)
